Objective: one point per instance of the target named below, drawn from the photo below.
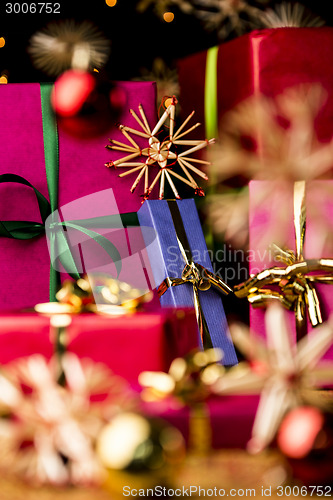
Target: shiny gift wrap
(169, 259)
(229, 419)
(262, 62)
(127, 344)
(24, 150)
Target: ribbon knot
(295, 282)
(193, 273)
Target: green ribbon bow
(60, 248)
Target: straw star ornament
(161, 154)
(285, 374)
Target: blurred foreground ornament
(160, 153)
(49, 431)
(140, 452)
(305, 438)
(270, 140)
(285, 375)
(296, 291)
(96, 293)
(189, 379)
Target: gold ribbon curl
(296, 291)
(200, 277)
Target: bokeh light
(168, 17)
(110, 3)
(2, 42)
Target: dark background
(136, 39)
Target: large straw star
(160, 153)
(285, 374)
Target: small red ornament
(86, 104)
(305, 438)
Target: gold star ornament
(161, 154)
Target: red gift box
(264, 61)
(127, 344)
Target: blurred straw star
(49, 433)
(68, 44)
(226, 17)
(288, 15)
(161, 153)
(166, 79)
(285, 374)
(162, 6)
(275, 140)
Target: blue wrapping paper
(167, 261)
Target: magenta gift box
(128, 344)
(261, 220)
(25, 265)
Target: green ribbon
(59, 245)
(211, 113)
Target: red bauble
(305, 438)
(86, 104)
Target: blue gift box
(170, 220)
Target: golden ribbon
(189, 381)
(200, 278)
(296, 290)
(97, 294)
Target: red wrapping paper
(128, 345)
(264, 61)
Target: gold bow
(193, 273)
(189, 381)
(296, 291)
(98, 294)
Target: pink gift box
(128, 344)
(261, 220)
(25, 265)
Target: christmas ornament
(285, 375)
(189, 379)
(139, 452)
(68, 44)
(188, 383)
(49, 431)
(305, 437)
(96, 293)
(160, 153)
(86, 103)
